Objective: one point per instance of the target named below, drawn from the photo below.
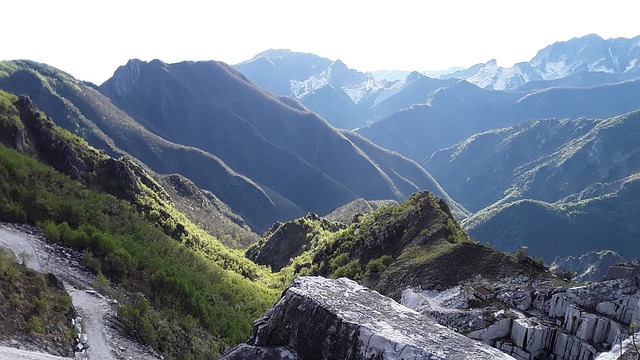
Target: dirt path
(7, 353)
(105, 342)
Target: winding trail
(105, 342)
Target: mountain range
(346, 98)
(349, 99)
(166, 172)
(266, 157)
(519, 153)
(618, 58)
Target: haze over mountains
(267, 158)
(589, 54)
(462, 111)
(545, 154)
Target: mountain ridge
(590, 53)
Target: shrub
(339, 261)
(352, 270)
(35, 325)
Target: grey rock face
(319, 318)
(246, 351)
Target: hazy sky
(91, 38)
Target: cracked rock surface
(318, 318)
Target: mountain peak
(273, 53)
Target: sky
(90, 38)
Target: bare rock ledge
(318, 318)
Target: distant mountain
(82, 109)
(327, 87)
(589, 53)
(455, 112)
(275, 69)
(346, 98)
(570, 183)
(482, 168)
(490, 76)
(563, 229)
(268, 159)
(547, 160)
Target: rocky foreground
(340, 319)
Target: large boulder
(318, 318)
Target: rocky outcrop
(543, 320)
(284, 241)
(591, 266)
(348, 212)
(319, 318)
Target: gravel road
(105, 341)
(7, 353)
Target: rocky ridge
(587, 54)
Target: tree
(633, 329)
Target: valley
(228, 206)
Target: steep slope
(288, 150)
(35, 307)
(207, 211)
(346, 98)
(407, 175)
(480, 169)
(82, 109)
(416, 243)
(565, 228)
(130, 232)
(589, 53)
(460, 110)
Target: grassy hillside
(196, 297)
(416, 243)
(34, 304)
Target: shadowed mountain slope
(461, 110)
(211, 106)
(82, 109)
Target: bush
(339, 261)
(376, 266)
(91, 262)
(35, 325)
(352, 270)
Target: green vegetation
(594, 224)
(28, 300)
(386, 248)
(285, 241)
(197, 296)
